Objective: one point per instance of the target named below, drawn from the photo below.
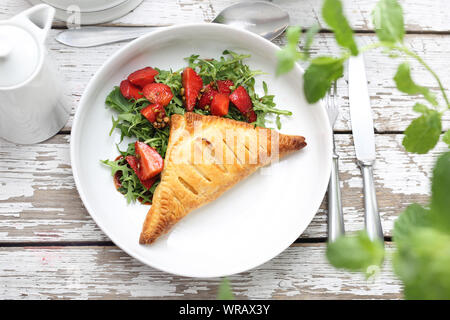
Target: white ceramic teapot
(32, 108)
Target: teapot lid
(19, 55)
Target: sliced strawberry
(251, 115)
(129, 91)
(150, 161)
(241, 99)
(153, 111)
(192, 84)
(156, 114)
(142, 77)
(207, 96)
(243, 102)
(220, 104)
(149, 182)
(224, 86)
(159, 93)
(134, 164)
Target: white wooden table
(51, 248)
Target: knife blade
(95, 36)
(360, 111)
(364, 141)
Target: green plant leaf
(309, 39)
(320, 74)
(440, 199)
(225, 292)
(407, 85)
(387, 18)
(422, 263)
(423, 133)
(289, 54)
(334, 16)
(420, 108)
(355, 253)
(414, 216)
(446, 137)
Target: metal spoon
(262, 18)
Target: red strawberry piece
(207, 96)
(192, 84)
(156, 114)
(159, 93)
(129, 91)
(220, 104)
(224, 86)
(251, 115)
(243, 102)
(142, 77)
(150, 161)
(149, 182)
(134, 164)
(241, 99)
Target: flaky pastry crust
(207, 155)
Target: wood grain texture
(300, 272)
(39, 201)
(420, 16)
(50, 247)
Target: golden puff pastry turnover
(207, 155)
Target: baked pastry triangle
(206, 156)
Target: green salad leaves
(132, 124)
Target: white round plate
(91, 11)
(249, 224)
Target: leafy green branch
(421, 233)
(423, 133)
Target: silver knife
(364, 140)
(94, 36)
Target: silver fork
(335, 213)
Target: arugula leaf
(289, 54)
(225, 292)
(446, 137)
(115, 100)
(440, 200)
(406, 84)
(319, 76)
(227, 67)
(334, 16)
(355, 253)
(422, 263)
(414, 216)
(130, 185)
(278, 122)
(423, 133)
(388, 21)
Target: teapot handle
(38, 18)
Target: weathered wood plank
(39, 202)
(300, 272)
(392, 110)
(431, 15)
